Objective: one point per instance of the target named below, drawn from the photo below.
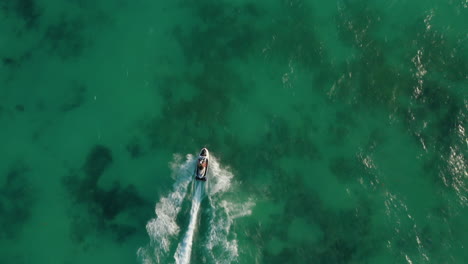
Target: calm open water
(337, 131)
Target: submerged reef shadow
(76, 96)
(16, 201)
(103, 206)
(135, 148)
(223, 35)
(226, 30)
(66, 38)
(342, 236)
(26, 10)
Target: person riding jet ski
(202, 165)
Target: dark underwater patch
(16, 201)
(66, 38)
(117, 199)
(368, 80)
(13, 63)
(75, 97)
(443, 55)
(27, 10)
(213, 87)
(7, 61)
(338, 134)
(295, 141)
(19, 108)
(346, 169)
(97, 161)
(102, 206)
(346, 233)
(223, 36)
(226, 36)
(436, 65)
(135, 148)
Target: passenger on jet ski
(202, 166)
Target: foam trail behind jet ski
(221, 244)
(220, 241)
(184, 250)
(219, 179)
(164, 227)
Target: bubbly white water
(221, 244)
(182, 255)
(164, 227)
(220, 241)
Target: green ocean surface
(337, 131)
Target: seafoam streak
(164, 227)
(221, 243)
(184, 250)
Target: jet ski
(202, 165)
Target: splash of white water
(221, 242)
(182, 255)
(164, 227)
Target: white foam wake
(220, 241)
(182, 255)
(164, 227)
(221, 244)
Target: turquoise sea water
(337, 131)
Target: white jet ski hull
(200, 171)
